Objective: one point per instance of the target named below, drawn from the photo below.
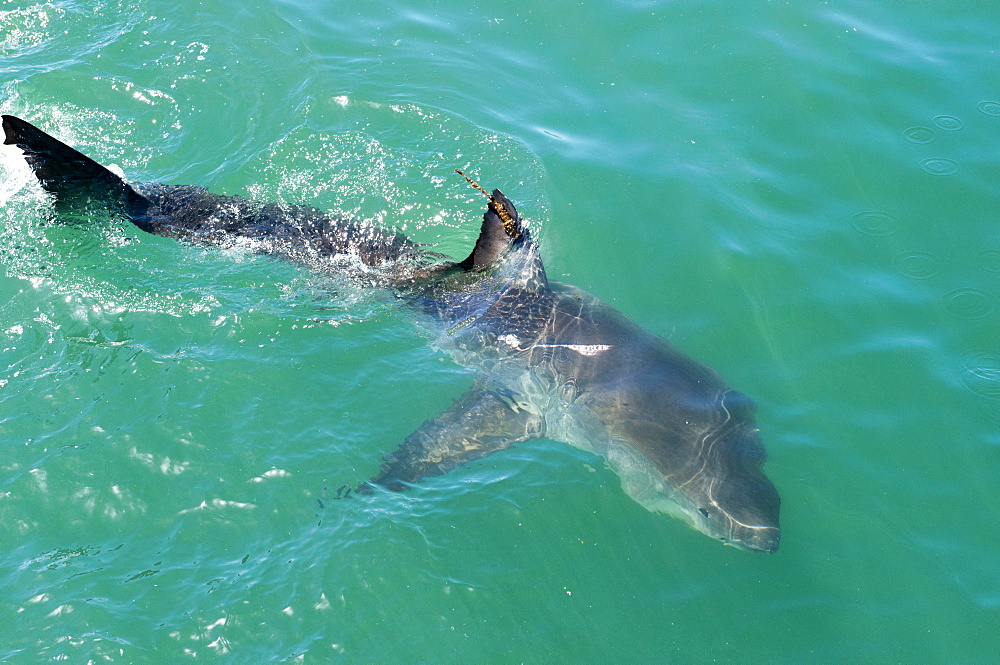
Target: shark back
(292, 232)
(192, 213)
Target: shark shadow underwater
(553, 360)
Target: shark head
(686, 444)
(731, 498)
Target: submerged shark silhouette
(553, 360)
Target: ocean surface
(805, 196)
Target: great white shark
(552, 360)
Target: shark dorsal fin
(501, 226)
(508, 215)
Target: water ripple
(874, 223)
(949, 123)
(919, 135)
(967, 303)
(989, 260)
(989, 108)
(981, 374)
(916, 265)
(939, 166)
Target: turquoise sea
(804, 195)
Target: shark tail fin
(501, 226)
(66, 173)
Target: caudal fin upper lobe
(72, 178)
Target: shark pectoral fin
(69, 175)
(480, 422)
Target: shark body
(553, 360)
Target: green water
(803, 195)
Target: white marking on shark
(583, 349)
